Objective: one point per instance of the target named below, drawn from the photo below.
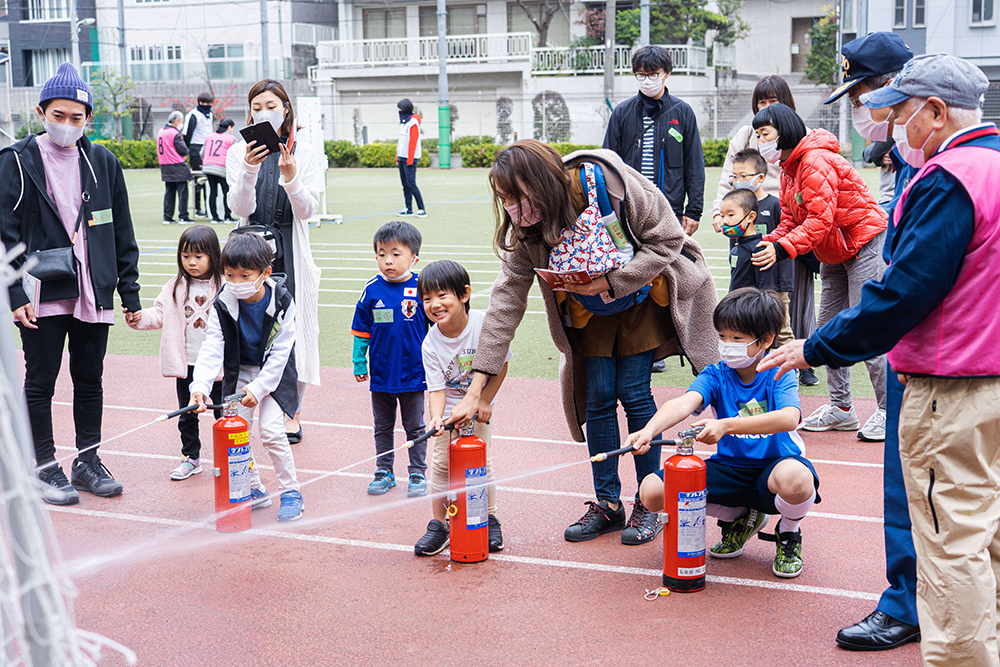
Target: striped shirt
(648, 141)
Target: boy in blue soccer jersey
(760, 466)
(390, 325)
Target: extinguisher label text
(475, 498)
(691, 523)
(241, 438)
(239, 473)
(691, 571)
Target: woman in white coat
(281, 192)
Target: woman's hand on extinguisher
(713, 431)
(484, 413)
(435, 425)
(639, 442)
(198, 399)
(248, 400)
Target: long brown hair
(199, 239)
(270, 85)
(534, 171)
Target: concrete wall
(767, 50)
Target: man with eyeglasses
(656, 134)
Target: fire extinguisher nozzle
(597, 458)
(408, 444)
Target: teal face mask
(737, 230)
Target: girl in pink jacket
(182, 311)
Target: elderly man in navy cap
(933, 314)
(871, 63)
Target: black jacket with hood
(678, 159)
(28, 215)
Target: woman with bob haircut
(657, 303)
(281, 192)
(827, 208)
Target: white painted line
(503, 558)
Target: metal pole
(843, 130)
(121, 36)
(444, 110)
(265, 54)
(74, 36)
(609, 50)
(643, 22)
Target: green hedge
(715, 151)
(341, 153)
(479, 155)
(567, 148)
(384, 156)
(133, 154)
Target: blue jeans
(611, 380)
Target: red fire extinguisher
(233, 459)
(467, 510)
(684, 501)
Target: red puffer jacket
(825, 205)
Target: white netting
(36, 610)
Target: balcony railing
(501, 47)
(311, 34)
(424, 50)
(210, 69)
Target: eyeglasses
(743, 177)
(643, 77)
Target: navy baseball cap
(875, 53)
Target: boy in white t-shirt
(448, 350)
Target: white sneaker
(874, 428)
(188, 467)
(831, 418)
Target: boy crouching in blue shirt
(390, 325)
(251, 339)
(760, 466)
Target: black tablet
(263, 134)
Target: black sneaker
(496, 537)
(599, 519)
(643, 526)
(807, 377)
(94, 477)
(57, 489)
(434, 540)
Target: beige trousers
(949, 444)
(785, 336)
(439, 465)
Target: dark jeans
(610, 380)
(43, 350)
(194, 159)
(187, 423)
(408, 177)
(178, 189)
(411, 412)
(214, 183)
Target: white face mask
(244, 291)
(735, 354)
(275, 118)
(769, 151)
(867, 127)
(912, 156)
(404, 276)
(652, 86)
(62, 134)
(752, 184)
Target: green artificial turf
(459, 226)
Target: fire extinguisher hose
(425, 436)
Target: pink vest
(216, 147)
(165, 150)
(961, 338)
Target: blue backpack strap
(603, 201)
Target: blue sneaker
(259, 499)
(417, 485)
(291, 506)
(384, 480)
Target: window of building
(899, 14)
(44, 64)
(384, 23)
(138, 53)
(173, 53)
(462, 20)
(517, 21)
(48, 10)
(223, 50)
(3, 8)
(140, 2)
(982, 12)
(155, 53)
(919, 13)
(847, 19)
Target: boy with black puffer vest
(251, 339)
(390, 326)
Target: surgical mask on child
(652, 86)
(769, 151)
(735, 354)
(737, 230)
(912, 156)
(61, 134)
(527, 216)
(244, 291)
(403, 276)
(753, 184)
(275, 118)
(867, 126)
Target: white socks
(723, 513)
(792, 515)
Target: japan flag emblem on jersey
(409, 291)
(409, 308)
